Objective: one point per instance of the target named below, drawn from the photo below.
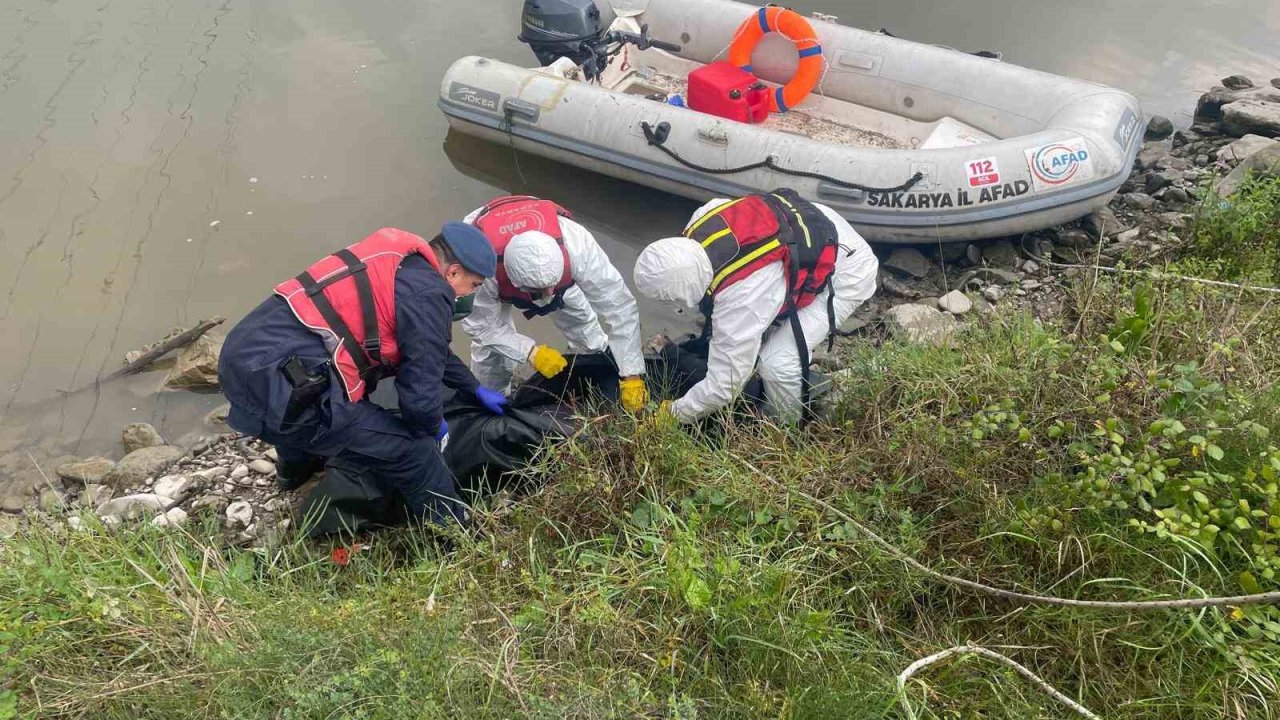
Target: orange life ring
(795, 28)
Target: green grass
(654, 574)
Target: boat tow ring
(795, 28)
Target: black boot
(293, 475)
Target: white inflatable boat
(912, 143)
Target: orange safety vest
(349, 300)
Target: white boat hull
(1048, 149)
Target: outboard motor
(562, 28)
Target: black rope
(657, 137)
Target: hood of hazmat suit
(674, 269)
(534, 260)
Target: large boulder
(1245, 117)
(85, 472)
(1265, 162)
(920, 324)
(140, 435)
(197, 365)
(141, 464)
(1243, 148)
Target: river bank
(926, 295)
(1089, 434)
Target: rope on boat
(657, 137)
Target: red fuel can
(726, 90)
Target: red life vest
(504, 218)
(755, 231)
(349, 300)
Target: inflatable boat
(912, 143)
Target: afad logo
(1058, 164)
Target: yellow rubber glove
(633, 393)
(547, 361)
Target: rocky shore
(926, 294)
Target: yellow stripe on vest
(716, 236)
(808, 240)
(739, 264)
(714, 212)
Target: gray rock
(9, 525)
(1030, 284)
(217, 418)
(1245, 117)
(210, 504)
(993, 294)
(1030, 267)
(139, 465)
(1185, 137)
(1275, 82)
(1177, 164)
(991, 275)
(197, 365)
(1128, 236)
(15, 501)
(1001, 254)
(52, 501)
(239, 513)
(85, 472)
(1159, 127)
(955, 303)
(263, 467)
(1203, 160)
(1075, 237)
(1243, 148)
(1209, 107)
(908, 262)
(1153, 153)
(94, 496)
(897, 288)
(133, 506)
(1105, 223)
(239, 472)
(1155, 182)
(1265, 162)
(1237, 82)
(140, 435)
(1174, 195)
(919, 324)
(1139, 201)
(973, 254)
(172, 486)
(272, 455)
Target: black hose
(657, 137)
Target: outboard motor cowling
(561, 28)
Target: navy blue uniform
(401, 450)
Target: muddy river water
(162, 162)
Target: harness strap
(315, 290)
(364, 289)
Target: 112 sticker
(982, 173)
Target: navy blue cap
(470, 246)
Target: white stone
(1243, 148)
(920, 324)
(212, 473)
(75, 523)
(240, 471)
(993, 294)
(171, 486)
(240, 513)
(272, 455)
(172, 518)
(955, 303)
(131, 506)
(263, 467)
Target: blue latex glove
(493, 401)
(443, 432)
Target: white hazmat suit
(598, 292)
(678, 270)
